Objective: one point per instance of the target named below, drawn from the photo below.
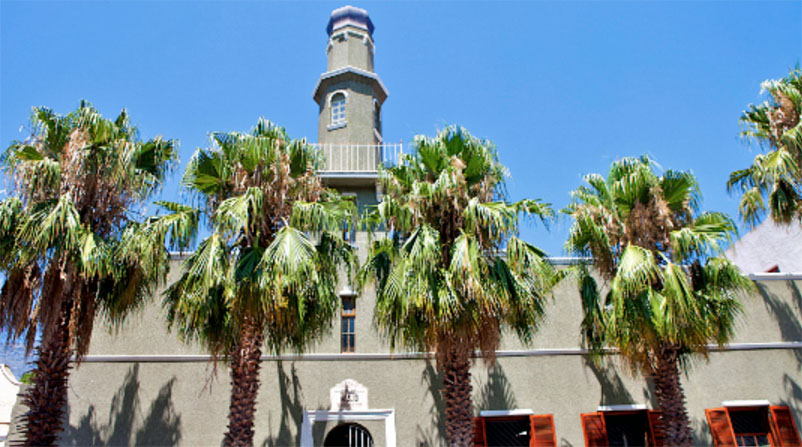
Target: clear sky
(562, 88)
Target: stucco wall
(147, 402)
(358, 114)
(350, 46)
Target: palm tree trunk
(456, 366)
(671, 397)
(46, 399)
(245, 364)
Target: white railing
(359, 157)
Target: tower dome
(349, 16)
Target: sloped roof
(769, 245)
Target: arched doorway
(348, 435)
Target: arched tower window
(338, 108)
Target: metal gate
(348, 435)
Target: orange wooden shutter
(657, 429)
(543, 434)
(786, 434)
(595, 432)
(720, 427)
(479, 432)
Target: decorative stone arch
(349, 403)
(310, 417)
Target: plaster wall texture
(768, 245)
(358, 129)
(350, 46)
(148, 404)
(177, 403)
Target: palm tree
(442, 282)
(669, 293)
(777, 174)
(259, 278)
(71, 246)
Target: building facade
(142, 386)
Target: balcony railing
(359, 158)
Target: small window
(762, 425)
(524, 430)
(338, 109)
(623, 428)
(627, 429)
(507, 431)
(751, 426)
(347, 329)
(377, 117)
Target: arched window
(338, 109)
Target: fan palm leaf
(670, 293)
(71, 246)
(442, 282)
(268, 272)
(772, 183)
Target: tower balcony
(356, 163)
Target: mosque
(142, 386)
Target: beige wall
(147, 402)
(358, 114)
(350, 46)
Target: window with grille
(348, 435)
(751, 426)
(763, 425)
(526, 430)
(338, 109)
(623, 428)
(348, 333)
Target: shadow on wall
(785, 316)
(496, 394)
(428, 436)
(160, 425)
(701, 431)
(612, 388)
(292, 412)
(794, 391)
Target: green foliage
(667, 285)
(27, 378)
(441, 275)
(773, 180)
(272, 258)
(69, 230)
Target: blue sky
(562, 88)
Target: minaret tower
(350, 95)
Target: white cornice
(349, 69)
(327, 357)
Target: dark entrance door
(348, 435)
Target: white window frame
(336, 123)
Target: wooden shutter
(657, 430)
(784, 427)
(479, 432)
(720, 427)
(595, 432)
(543, 434)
